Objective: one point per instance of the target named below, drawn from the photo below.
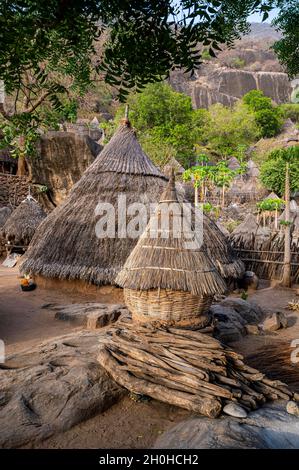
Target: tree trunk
(286, 276)
(196, 196)
(21, 171)
(223, 196)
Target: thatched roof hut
(164, 279)
(21, 225)
(252, 169)
(66, 245)
(271, 196)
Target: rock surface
(53, 387)
(231, 317)
(270, 427)
(90, 314)
(62, 159)
(293, 408)
(275, 322)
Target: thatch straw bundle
(66, 245)
(162, 269)
(20, 227)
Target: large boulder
(270, 427)
(231, 317)
(52, 388)
(62, 159)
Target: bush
(267, 117)
(238, 63)
(269, 122)
(290, 111)
(273, 170)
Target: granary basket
(168, 307)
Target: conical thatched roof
(271, 196)
(20, 227)
(162, 260)
(245, 232)
(66, 245)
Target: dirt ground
(24, 323)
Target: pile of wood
(189, 369)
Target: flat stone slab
(90, 315)
(269, 427)
(53, 387)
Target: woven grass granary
(165, 280)
(21, 225)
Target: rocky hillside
(251, 64)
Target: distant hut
(271, 196)
(66, 245)
(21, 225)
(164, 280)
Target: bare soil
(25, 323)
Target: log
(208, 407)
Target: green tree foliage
(166, 123)
(140, 41)
(273, 170)
(225, 129)
(267, 117)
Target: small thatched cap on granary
(19, 228)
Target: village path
(24, 323)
